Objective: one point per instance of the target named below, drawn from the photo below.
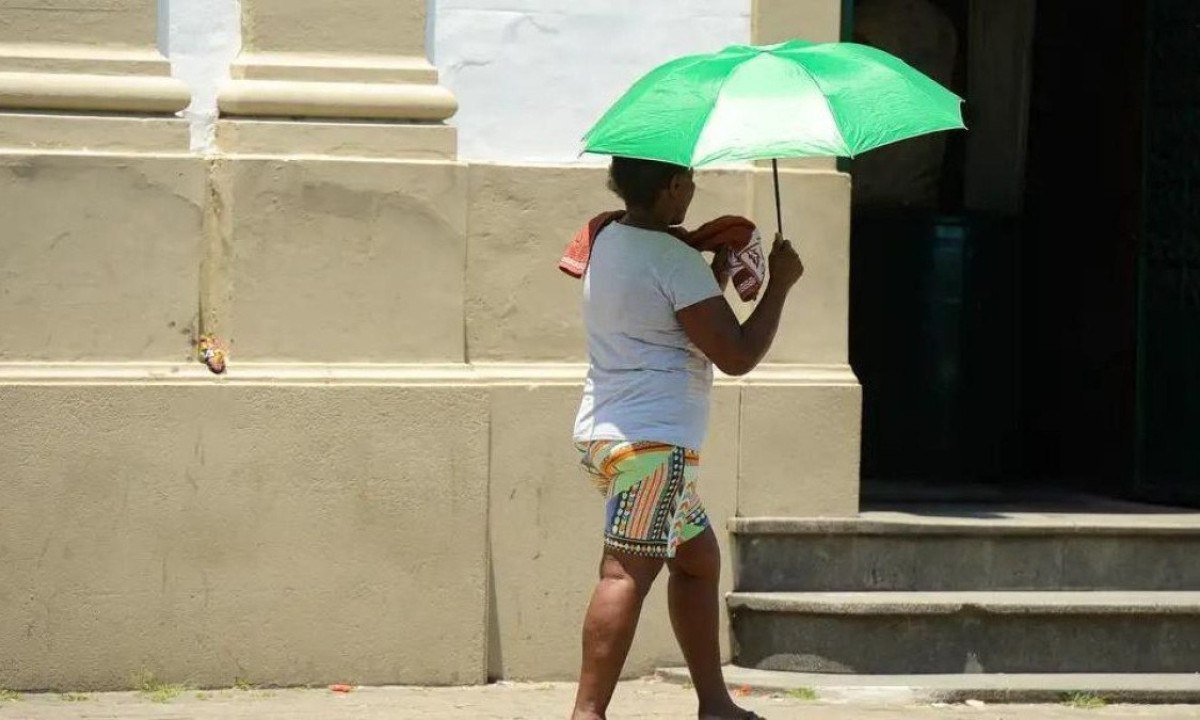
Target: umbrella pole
(778, 204)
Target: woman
(656, 324)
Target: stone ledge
(1016, 524)
(56, 132)
(102, 93)
(954, 603)
(331, 67)
(82, 60)
(340, 139)
(368, 374)
(383, 101)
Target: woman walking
(657, 322)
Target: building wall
(507, 62)
(532, 77)
(201, 38)
(381, 489)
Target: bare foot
(581, 715)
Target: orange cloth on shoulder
(747, 261)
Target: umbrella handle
(778, 203)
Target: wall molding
(482, 374)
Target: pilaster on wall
(775, 21)
(364, 60)
(84, 56)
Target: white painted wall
(531, 76)
(201, 37)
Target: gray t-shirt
(646, 381)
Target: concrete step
(896, 551)
(968, 632)
(1144, 688)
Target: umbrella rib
(713, 106)
(825, 99)
(924, 90)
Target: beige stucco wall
(484, 522)
(779, 20)
(382, 489)
(365, 27)
(82, 275)
(345, 261)
(285, 534)
(107, 24)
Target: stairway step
(978, 522)
(946, 603)
(1144, 688)
(892, 551)
(968, 632)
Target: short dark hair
(640, 182)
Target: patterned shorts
(652, 505)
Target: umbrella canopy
(794, 99)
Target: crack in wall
(216, 286)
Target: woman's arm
(734, 347)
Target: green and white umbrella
(791, 100)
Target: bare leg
(694, 600)
(608, 629)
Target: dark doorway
(1168, 451)
(996, 329)
(1080, 250)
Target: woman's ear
(678, 184)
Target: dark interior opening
(999, 324)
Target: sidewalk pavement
(635, 700)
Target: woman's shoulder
(659, 254)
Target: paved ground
(642, 700)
